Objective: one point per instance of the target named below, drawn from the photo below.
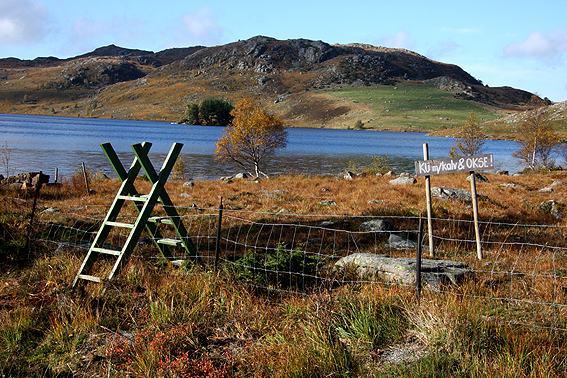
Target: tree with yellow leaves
(469, 140)
(537, 138)
(253, 135)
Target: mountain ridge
(299, 77)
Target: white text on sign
(454, 165)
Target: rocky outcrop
(434, 272)
(24, 180)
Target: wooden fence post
(429, 207)
(217, 243)
(475, 216)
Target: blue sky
(519, 43)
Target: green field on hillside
(413, 106)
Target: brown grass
(154, 320)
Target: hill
(309, 83)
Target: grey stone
(378, 225)
(546, 190)
(509, 185)
(326, 224)
(348, 175)
(51, 210)
(397, 242)
(555, 183)
(402, 269)
(328, 203)
(188, 184)
(389, 173)
(504, 173)
(550, 207)
(375, 201)
(405, 174)
(403, 181)
(240, 175)
(284, 211)
(477, 177)
(454, 194)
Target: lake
(43, 143)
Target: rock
(326, 224)
(325, 190)
(284, 211)
(546, 190)
(375, 201)
(434, 272)
(188, 184)
(555, 183)
(349, 175)
(51, 210)
(405, 174)
(389, 173)
(454, 194)
(397, 242)
(185, 195)
(377, 225)
(328, 203)
(509, 185)
(504, 173)
(28, 179)
(240, 175)
(477, 177)
(550, 207)
(403, 181)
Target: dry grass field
(155, 320)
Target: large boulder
(403, 270)
(403, 180)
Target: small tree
(253, 135)
(470, 139)
(537, 138)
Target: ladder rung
(135, 197)
(106, 251)
(89, 278)
(120, 224)
(164, 220)
(169, 241)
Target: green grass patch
(413, 106)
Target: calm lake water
(43, 143)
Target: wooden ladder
(144, 204)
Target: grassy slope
(163, 95)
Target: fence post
(32, 216)
(86, 179)
(475, 216)
(429, 207)
(418, 262)
(217, 243)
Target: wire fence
(522, 278)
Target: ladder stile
(144, 204)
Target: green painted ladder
(144, 203)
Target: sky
(521, 44)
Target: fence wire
(522, 278)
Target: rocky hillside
(299, 77)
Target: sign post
(457, 164)
(429, 207)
